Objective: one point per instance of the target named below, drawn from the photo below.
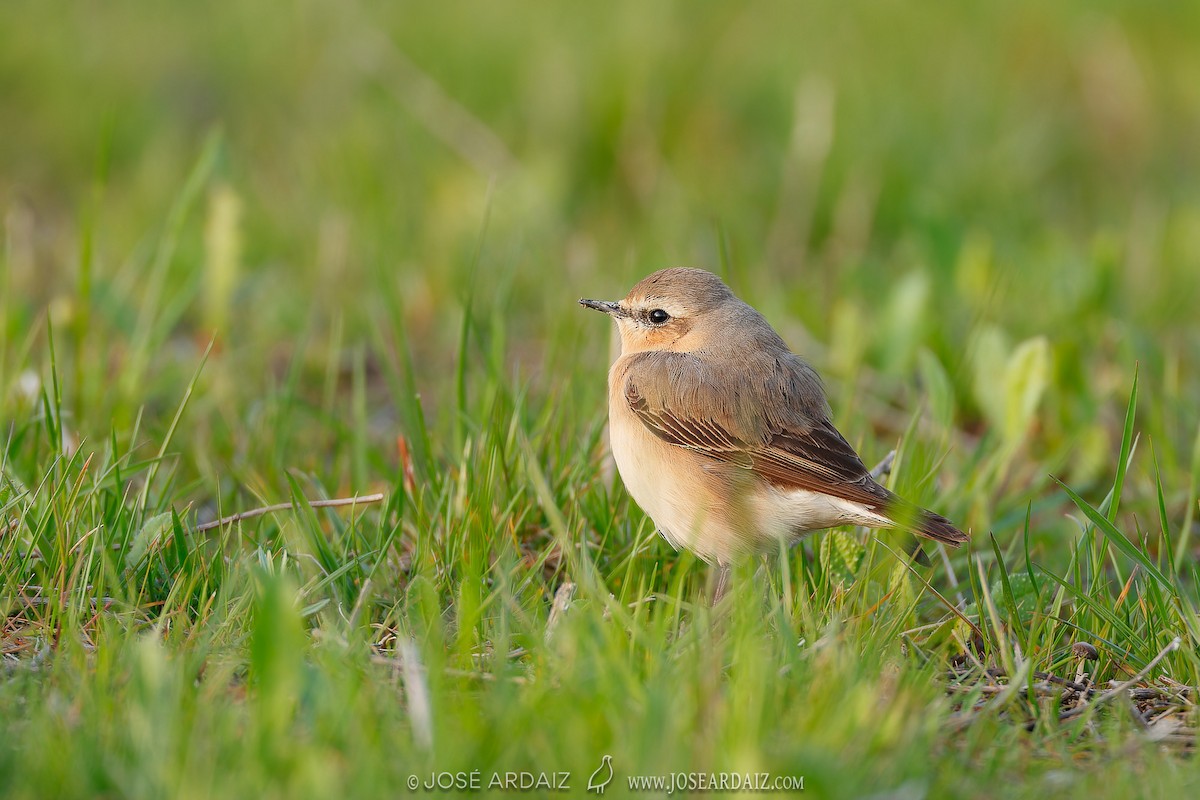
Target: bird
(603, 775)
(723, 435)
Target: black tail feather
(936, 527)
(925, 523)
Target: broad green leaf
(903, 318)
(939, 392)
(148, 537)
(901, 588)
(848, 332)
(1025, 378)
(991, 356)
(841, 554)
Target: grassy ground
(258, 254)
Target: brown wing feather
(819, 460)
(803, 450)
(815, 457)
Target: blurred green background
(977, 220)
(1016, 161)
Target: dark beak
(603, 305)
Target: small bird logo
(603, 775)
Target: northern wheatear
(722, 434)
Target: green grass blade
(1119, 540)
(1126, 449)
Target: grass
(256, 255)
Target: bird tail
(922, 522)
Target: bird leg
(723, 571)
(884, 467)
(881, 471)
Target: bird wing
(789, 442)
(792, 446)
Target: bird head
(676, 309)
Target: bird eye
(658, 316)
